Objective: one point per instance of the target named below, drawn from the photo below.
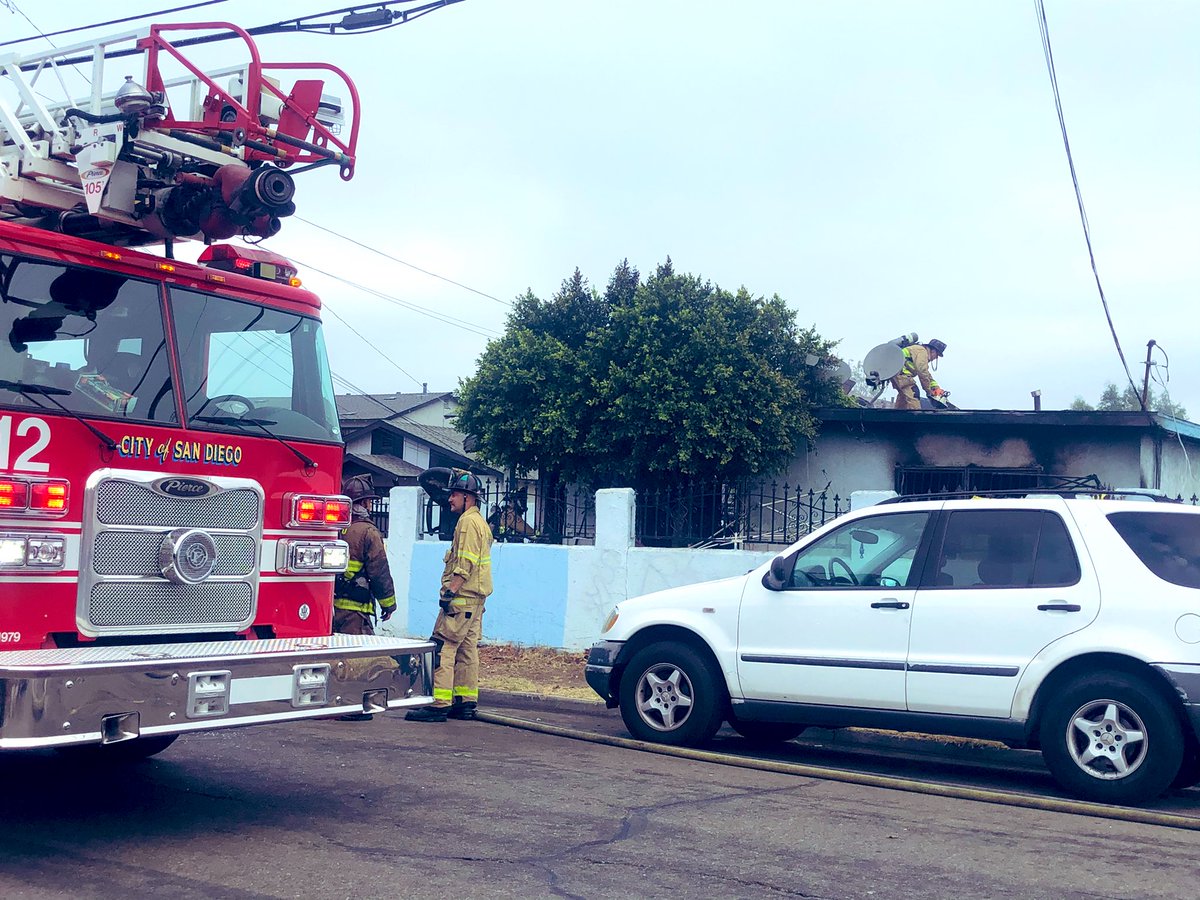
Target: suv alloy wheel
(670, 695)
(1112, 739)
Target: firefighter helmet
(467, 482)
(939, 346)
(359, 487)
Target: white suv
(1068, 624)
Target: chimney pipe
(424, 387)
(1037, 400)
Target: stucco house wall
(861, 449)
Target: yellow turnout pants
(457, 673)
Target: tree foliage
(656, 380)
(1114, 399)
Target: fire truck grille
(134, 578)
(136, 553)
(117, 605)
(126, 503)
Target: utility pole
(1146, 378)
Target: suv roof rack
(1097, 493)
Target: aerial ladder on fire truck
(172, 152)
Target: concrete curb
(544, 702)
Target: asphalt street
(471, 809)
(982, 765)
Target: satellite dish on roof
(832, 368)
(883, 363)
(841, 375)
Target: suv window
(1167, 543)
(1005, 548)
(876, 551)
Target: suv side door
(836, 630)
(999, 585)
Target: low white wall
(554, 596)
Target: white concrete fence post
(404, 530)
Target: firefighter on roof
(917, 358)
(466, 584)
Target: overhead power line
(474, 328)
(465, 287)
(149, 15)
(1044, 27)
(353, 21)
(367, 341)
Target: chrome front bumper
(88, 695)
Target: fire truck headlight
(12, 550)
(312, 556)
(306, 557)
(336, 557)
(45, 552)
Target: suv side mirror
(777, 576)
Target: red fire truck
(170, 455)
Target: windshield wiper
(261, 423)
(49, 392)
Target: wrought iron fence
(531, 511)
(720, 515)
(698, 515)
(379, 514)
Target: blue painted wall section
(529, 601)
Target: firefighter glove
(385, 613)
(445, 605)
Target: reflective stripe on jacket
(916, 365)
(368, 563)
(470, 557)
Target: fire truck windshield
(241, 360)
(94, 340)
(94, 337)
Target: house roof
(1052, 418)
(369, 407)
(386, 464)
(363, 414)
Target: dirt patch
(534, 670)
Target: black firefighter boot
(462, 709)
(427, 714)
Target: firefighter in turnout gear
(917, 358)
(368, 577)
(466, 584)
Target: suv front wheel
(1111, 739)
(670, 695)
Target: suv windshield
(95, 335)
(248, 368)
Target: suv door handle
(890, 604)
(1059, 607)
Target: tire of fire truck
(120, 753)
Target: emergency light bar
(252, 261)
(34, 498)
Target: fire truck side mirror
(28, 330)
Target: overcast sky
(885, 167)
